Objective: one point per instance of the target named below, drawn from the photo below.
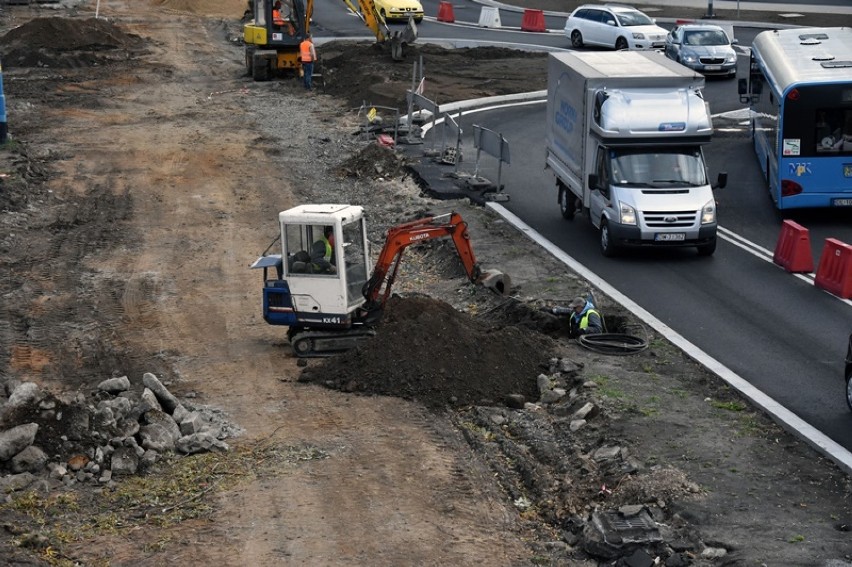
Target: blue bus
(799, 90)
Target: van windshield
(676, 168)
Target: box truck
(624, 139)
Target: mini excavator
(323, 288)
(275, 28)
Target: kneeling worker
(584, 318)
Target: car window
(634, 18)
(583, 14)
(604, 17)
(705, 37)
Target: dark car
(849, 374)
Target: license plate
(669, 236)
(712, 67)
(842, 202)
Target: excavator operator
(277, 18)
(322, 253)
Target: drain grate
(619, 529)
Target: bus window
(833, 130)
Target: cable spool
(619, 344)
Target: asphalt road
(774, 329)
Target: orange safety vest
(306, 51)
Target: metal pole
(710, 13)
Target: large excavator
(275, 28)
(323, 289)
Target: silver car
(704, 48)
(616, 27)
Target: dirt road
(145, 174)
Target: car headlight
(627, 214)
(731, 58)
(689, 58)
(708, 212)
(637, 35)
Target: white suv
(619, 27)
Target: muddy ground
(143, 175)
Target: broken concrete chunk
(32, 459)
(24, 394)
(167, 400)
(15, 440)
(200, 443)
(115, 385)
(124, 461)
(149, 399)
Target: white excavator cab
(326, 259)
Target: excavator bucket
(496, 281)
(400, 39)
(409, 34)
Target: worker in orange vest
(276, 14)
(308, 55)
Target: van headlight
(708, 212)
(627, 214)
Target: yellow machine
(273, 34)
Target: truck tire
(608, 247)
(576, 39)
(707, 249)
(567, 203)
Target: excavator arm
(374, 20)
(378, 287)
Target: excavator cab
(321, 273)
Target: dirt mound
(364, 73)
(374, 162)
(62, 42)
(427, 351)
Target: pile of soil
(359, 73)
(65, 43)
(374, 162)
(425, 350)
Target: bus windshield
(681, 167)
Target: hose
(613, 343)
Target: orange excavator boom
(378, 287)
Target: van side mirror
(735, 41)
(593, 181)
(722, 180)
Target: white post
(97, 8)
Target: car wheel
(567, 202)
(576, 39)
(608, 247)
(849, 390)
(621, 43)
